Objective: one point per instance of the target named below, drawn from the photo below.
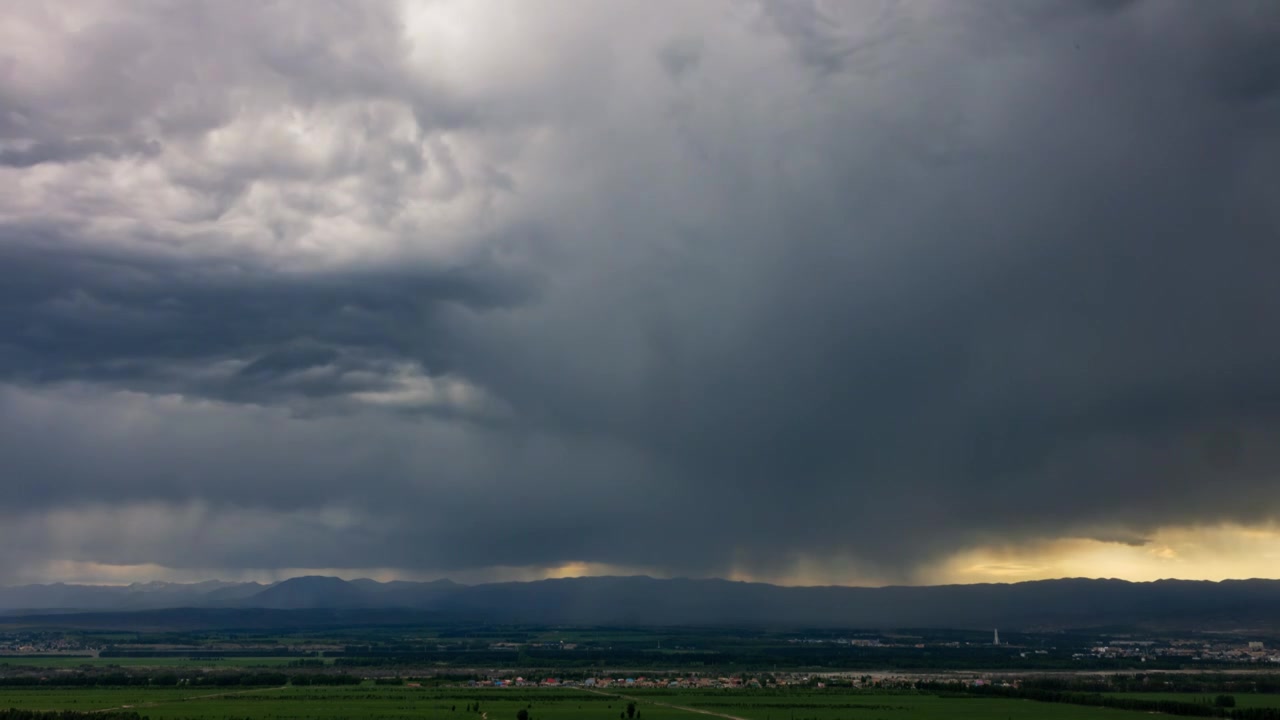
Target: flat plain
(396, 702)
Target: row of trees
(218, 679)
(1222, 706)
(16, 714)
(325, 679)
(204, 654)
(765, 656)
(1207, 683)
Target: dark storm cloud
(74, 149)
(74, 313)
(825, 44)
(681, 56)
(731, 287)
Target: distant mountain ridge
(1046, 604)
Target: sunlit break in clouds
(805, 292)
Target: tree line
(1222, 706)
(220, 679)
(1142, 682)
(16, 714)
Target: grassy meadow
(395, 702)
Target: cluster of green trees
(204, 654)
(1093, 699)
(325, 679)
(15, 714)
(773, 656)
(1222, 706)
(215, 679)
(124, 679)
(1181, 683)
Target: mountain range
(1047, 604)
(648, 601)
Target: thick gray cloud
(683, 287)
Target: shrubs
(15, 714)
(325, 679)
(163, 679)
(1224, 706)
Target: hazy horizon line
(350, 579)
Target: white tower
(995, 639)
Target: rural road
(185, 699)
(685, 708)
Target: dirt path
(186, 699)
(685, 708)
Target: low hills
(1040, 605)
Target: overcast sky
(841, 292)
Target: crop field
(397, 702)
(868, 705)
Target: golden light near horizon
(1218, 552)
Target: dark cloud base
(743, 287)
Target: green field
(823, 705)
(394, 702)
